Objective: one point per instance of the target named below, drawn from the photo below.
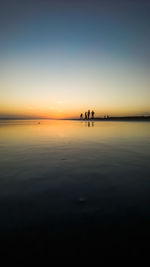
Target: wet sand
(71, 191)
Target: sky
(62, 57)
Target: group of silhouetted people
(87, 115)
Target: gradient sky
(59, 58)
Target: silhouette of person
(81, 116)
(85, 115)
(88, 114)
(93, 114)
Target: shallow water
(73, 179)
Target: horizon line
(96, 118)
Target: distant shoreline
(128, 118)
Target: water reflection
(90, 123)
(24, 132)
(85, 174)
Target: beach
(73, 188)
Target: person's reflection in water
(89, 124)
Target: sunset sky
(59, 58)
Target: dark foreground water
(71, 189)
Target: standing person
(93, 114)
(88, 114)
(85, 115)
(81, 116)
